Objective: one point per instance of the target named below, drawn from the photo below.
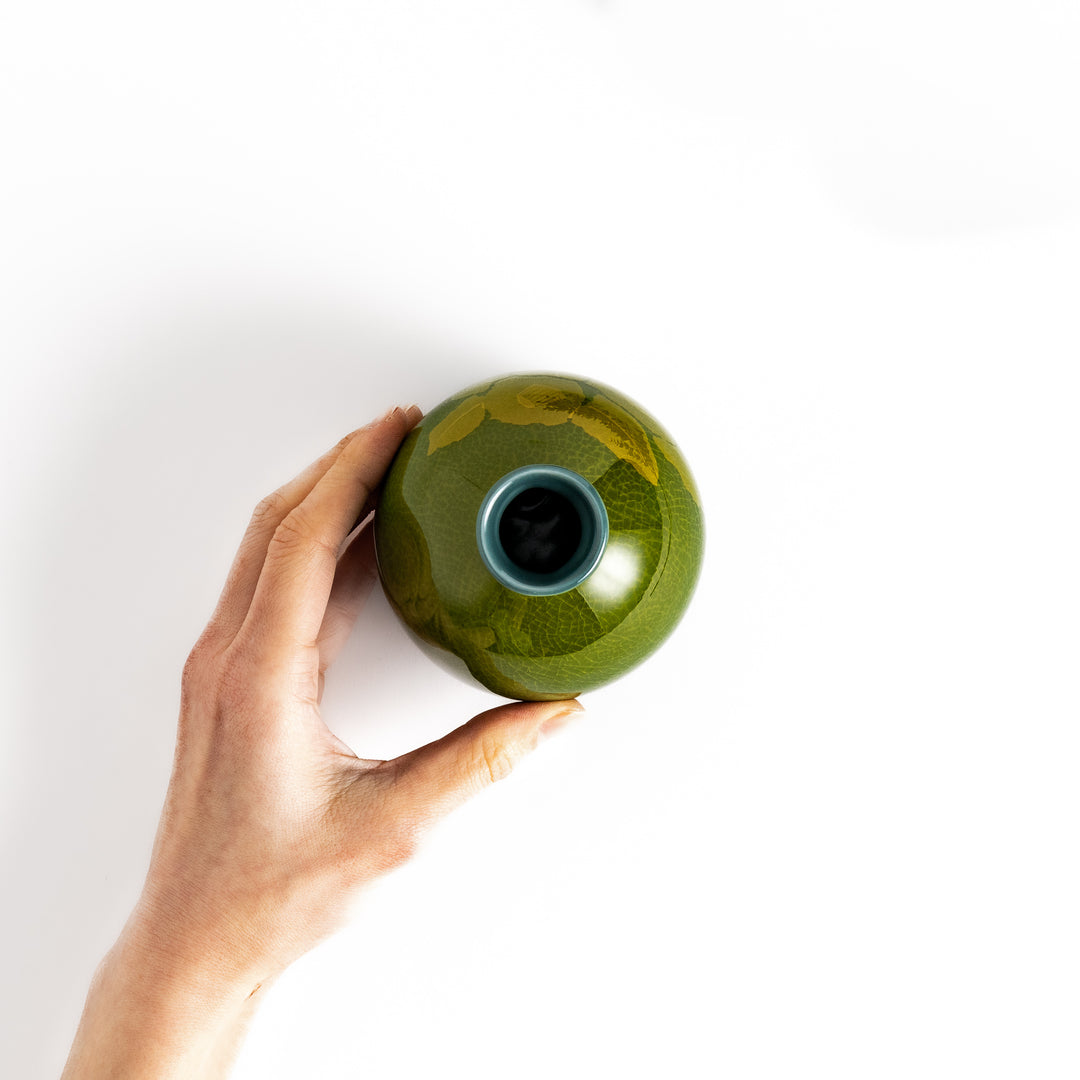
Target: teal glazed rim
(587, 504)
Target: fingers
(353, 581)
(433, 780)
(235, 599)
(291, 595)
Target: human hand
(271, 824)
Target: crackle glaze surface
(539, 647)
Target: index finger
(294, 585)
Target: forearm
(147, 1014)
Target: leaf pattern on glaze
(552, 405)
(678, 462)
(462, 421)
(625, 439)
(537, 404)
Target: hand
(271, 824)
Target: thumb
(440, 776)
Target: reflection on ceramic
(540, 533)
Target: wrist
(153, 1010)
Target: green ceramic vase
(539, 533)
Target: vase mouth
(541, 530)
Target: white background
(830, 829)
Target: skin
(271, 824)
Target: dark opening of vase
(542, 529)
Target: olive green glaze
(539, 647)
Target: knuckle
(297, 530)
(198, 663)
(236, 677)
(201, 676)
(193, 666)
(496, 761)
(270, 509)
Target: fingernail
(395, 413)
(414, 414)
(560, 719)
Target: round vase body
(539, 533)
